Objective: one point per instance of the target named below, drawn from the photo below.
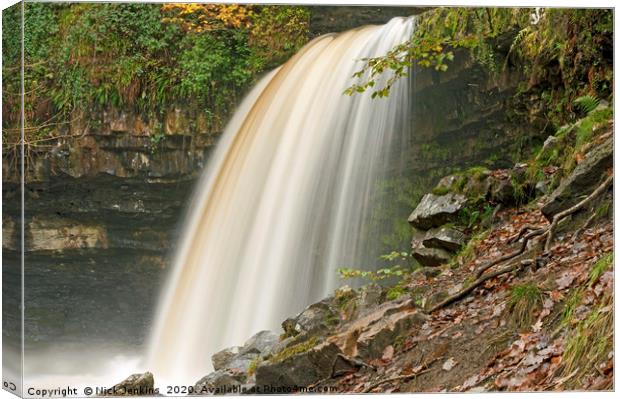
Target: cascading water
(285, 201)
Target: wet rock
(502, 191)
(345, 306)
(582, 181)
(477, 187)
(9, 233)
(347, 337)
(444, 238)
(373, 341)
(551, 144)
(433, 210)
(370, 296)
(431, 256)
(541, 188)
(241, 363)
(239, 359)
(262, 342)
(134, 385)
(221, 359)
(55, 234)
(220, 382)
(344, 365)
(447, 182)
(311, 320)
(300, 369)
(519, 172)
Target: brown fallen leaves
(533, 360)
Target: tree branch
(548, 231)
(464, 292)
(511, 255)
(558, 217)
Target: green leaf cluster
(80, 57)
(578, 42)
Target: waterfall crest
(285, 201)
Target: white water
(284, 202)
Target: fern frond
(585, 104)
(518, 39)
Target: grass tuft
(600, 267)
(525, 299)
(589, 344)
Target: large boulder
(239, 359)
(501, 189)
(435, 210)
(582, 181)
(221, 382)
(370, 296)
(444, 238)
(262, 343)
(222, 358)
(427, 255)
(134, 385)
(297, 366)
(312, 320)
(242, 362)
(430, 256)
(373, 341)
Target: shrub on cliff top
(80, 56)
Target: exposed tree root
(585, 225)
(465, 291)
(511, 255)
(524, 229)
(548, 232)
(556, 219)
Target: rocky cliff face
(327, 19)
(466, 117)
(103, 207)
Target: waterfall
(285, 200)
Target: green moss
(587, 127)
(331, 319)
(253, 366)
(441, 191)
(459, 185)
(534, 169)
(294, 350)
(477, 173)
(396, 292)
